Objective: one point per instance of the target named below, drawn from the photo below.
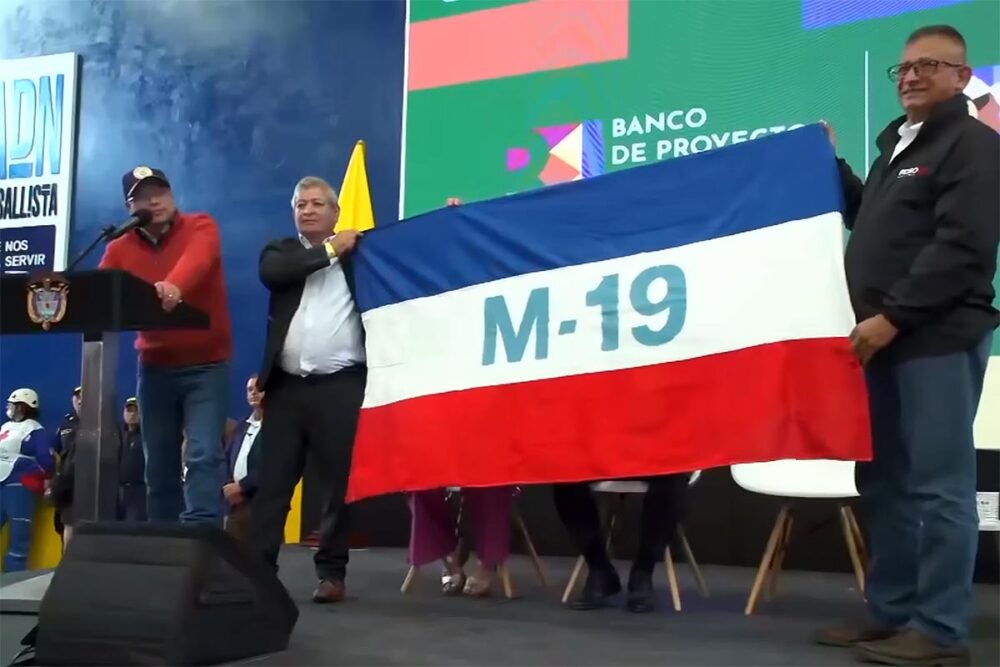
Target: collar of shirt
(907, 134)
(909, 129)
(155, 239)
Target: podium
(98, 305)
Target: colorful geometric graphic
(984, 91)
(516, 39)
(576, 151)
(826, 13)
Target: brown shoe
(329, 590)
(851, 635)
(911, 647)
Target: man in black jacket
(920, 264)
(313, 375)
(242, 462)
(131, 466)
(61, 486)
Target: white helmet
(24, 395)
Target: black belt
(319, 378)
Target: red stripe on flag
(516, 39)
(802, 399)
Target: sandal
(478, 588)
(452, 584)
(453, 577)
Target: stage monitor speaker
(160, 594)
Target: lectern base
(160, 594)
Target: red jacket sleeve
(202, 253)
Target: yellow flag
(355, 199)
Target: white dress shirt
(240, 467)
(325, 334)
(907, 133)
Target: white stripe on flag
(784, 282)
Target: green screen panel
(680, 77)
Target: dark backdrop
(725, 525)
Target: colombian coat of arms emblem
(47, 300)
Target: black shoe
(641, 599)
(601, 584)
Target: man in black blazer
(242, 464)
(313, 374)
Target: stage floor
(377, 625)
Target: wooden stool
(777, 545)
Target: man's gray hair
(314, 182)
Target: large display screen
(508, 95)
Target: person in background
(131, 466)
(434, 536)
(183, 374)
(920, 263)
(662, 506)
(314, 374)
(61, 486)
(25, 461)
(243, 460)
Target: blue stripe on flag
(752, 185)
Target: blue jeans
(918, 494)
(17, 505)
(192, 400)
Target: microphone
(139, 219)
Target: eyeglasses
(920, 68)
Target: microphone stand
(103, 236)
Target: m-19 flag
(679, 316)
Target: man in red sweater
(183, 380)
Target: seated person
(662, 508)
(434, 535)
(242, 459)
(25, 460)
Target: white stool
(792, 479)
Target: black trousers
(316, 415)
(132, 502)
(662, 508)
